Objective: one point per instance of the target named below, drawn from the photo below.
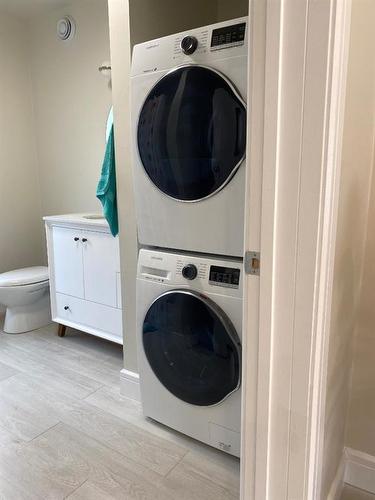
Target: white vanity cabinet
(66, 256)
(84, 263)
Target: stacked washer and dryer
(189, 142)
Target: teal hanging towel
(106, 190)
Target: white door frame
(294, 148)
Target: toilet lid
(25, 276)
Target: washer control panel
(225, 276)
(190, 270)
(206, 274)
(228, 277)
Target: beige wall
(54, 105)
(151, 19)
(71, 102)
(361, 419)
(357, 162)
(146, 19)
(231, 9)
(20, 227)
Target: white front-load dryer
(188, 94)
(189, 318)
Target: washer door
(192, 347)
(192, 133)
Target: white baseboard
(360, 470)
(338, 483)
(129, 385)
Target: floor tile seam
(223, 488)
(71, 348)
(63, 348)
(108, 447)
(75, 489)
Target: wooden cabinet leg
(61, 330)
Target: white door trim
(254, 155)
(305, 47)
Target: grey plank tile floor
(66, 432)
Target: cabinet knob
(76, 238)
(66, 308)
(84, 240)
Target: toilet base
(22, 319)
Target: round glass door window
(192, 348)
(192, 133)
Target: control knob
(190, 272)
(189, 44)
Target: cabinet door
(101, 262)
(67, 261)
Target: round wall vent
(66, 28)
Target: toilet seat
(25, 276)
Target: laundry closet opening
(183, 281)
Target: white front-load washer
(189, 319)
(188, 94)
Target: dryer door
(192, 347)
(192, 133)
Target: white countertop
(79, 219)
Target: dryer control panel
(195, 46)
(228, 36)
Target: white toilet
(25, 294)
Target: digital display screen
(228, 35)
(225, 276)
